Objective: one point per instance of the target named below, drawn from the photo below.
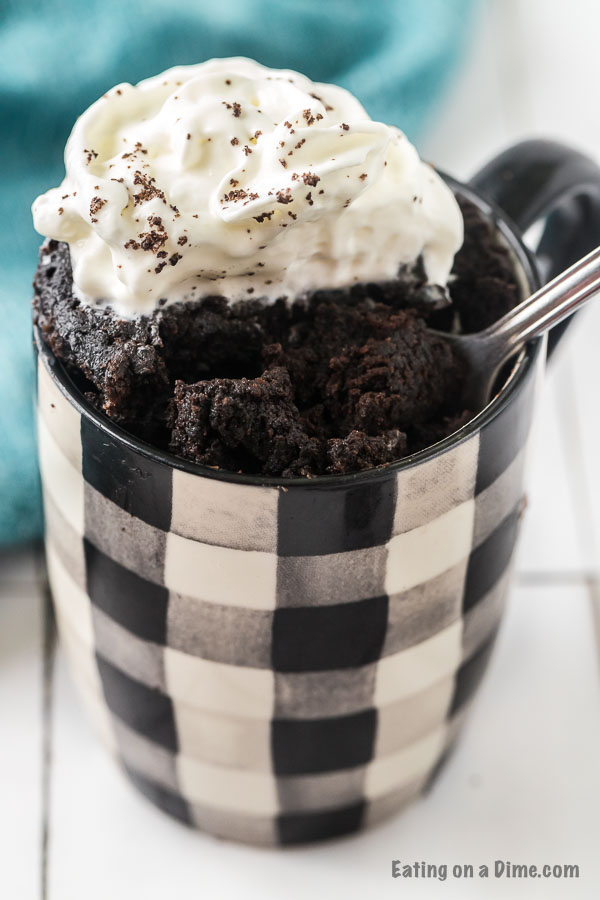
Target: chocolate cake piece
(405, 376)
(360, 451)
(252, 423)
(221, 342)
(484, 287)
(368, 390)
(121, 359)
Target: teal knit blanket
(56, 58)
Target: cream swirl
(230, 178)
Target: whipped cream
(233, 179)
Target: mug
(285, 660)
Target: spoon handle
(548, 306)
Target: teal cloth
(57, 57)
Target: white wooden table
(524, 784)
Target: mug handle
(542, 180)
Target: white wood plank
(522, 785)
(21, 718)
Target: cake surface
(335, 383)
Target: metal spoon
(486, 351)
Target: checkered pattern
(278, 665)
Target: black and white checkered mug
(278, 661)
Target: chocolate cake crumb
(153, 240)
(308, 116)
(320, 99)
(233, 196)
(148, 189)
(96, 205)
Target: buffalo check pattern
(278, 665)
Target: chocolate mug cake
(278, 548)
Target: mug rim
(509, 389)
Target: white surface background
(524, 784)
